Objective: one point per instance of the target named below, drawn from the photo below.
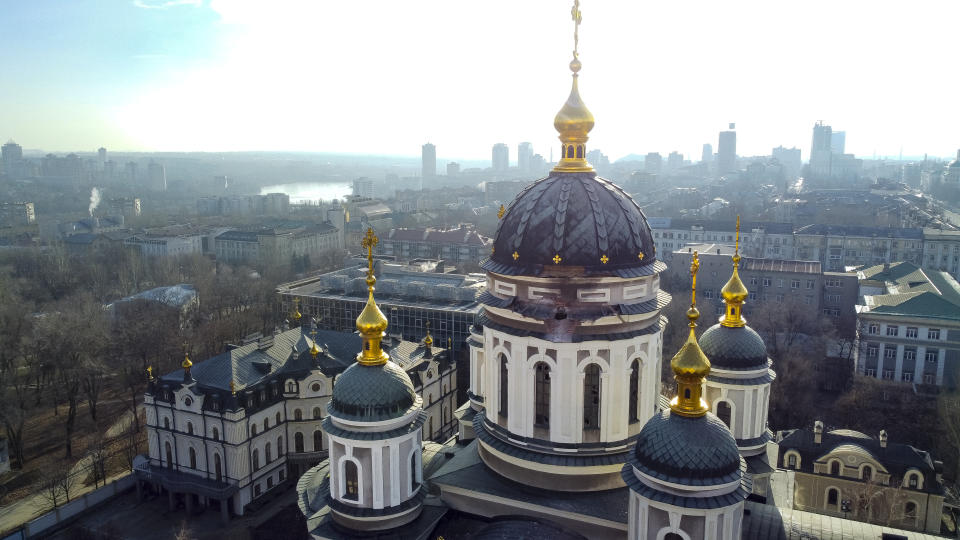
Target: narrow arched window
(278, 418)
(169, 455)
(542, 395)
(634, 390)
(166, 423)
(504, 385)
(267, 454)
(413, 473)
(298, 442)
(256, 460)
(279, 446)
(833, 497)
(591, 397)
(297, 414)
(190, 428)
(867, 473)
(316, 413)
(253, 430)
(266, 424)
(193, 458)
(724, 412)
(317, 440)
(217, 467)
(792, 461)
(216, 434)
(910, 510)
(350, 475)
(835, 468)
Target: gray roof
(373, 393)
(734, 348)
(818, 229)
(730, 226)
(694, 451)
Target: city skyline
(179, 76)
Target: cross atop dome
(574, 120)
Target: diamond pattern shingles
(692, 451)
(736, 348)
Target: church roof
(733, 347)
(373, 393)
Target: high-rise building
(821, 151)
(598, 159)
(453, 169)
(130, 172)
(11, 152)
(101, 157)
(653, 163)
(428, 154)
(524, 154)
(674, 161)
(838, 142)
(363, 188)
(156, 177)
(727, 151)
(790, 159)
(501, 157)
(707, 155)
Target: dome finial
(371, 323)
(690, 366)
(734, 292)
(296, 315)
(574, 120)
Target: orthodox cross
(575, 13)
(369, 242)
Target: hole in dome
(561, 314)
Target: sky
(385, 76)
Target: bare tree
(97, 452)
(54, 485)
(93, 376)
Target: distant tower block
(428, 154)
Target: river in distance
(301, 192)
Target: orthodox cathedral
(565, 434)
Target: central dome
(573, 220)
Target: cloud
(164, 4)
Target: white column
(377, 478)
(606, 413)
(394, 466)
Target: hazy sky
(386, 76)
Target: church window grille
(634, 390)
(504, 385)
(724, 413)
(350, 475)
(591, 397)
(542, 395)
(317, 440)
(298, 442)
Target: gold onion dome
(574, 121)
(186, 364)
(690, 365)
(371, 324)
(734, 292)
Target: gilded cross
(150, 372)
(557, 259)
(516, 255)
(577, 18)
(369, 242)
(604, 259)
(694, 268)
(640, 255)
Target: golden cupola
(690, 366)
(372, 323)
(574, 121)
(734, 292)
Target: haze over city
(383, 77)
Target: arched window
(541, 395)
(291, 387)
(217, 467)
(193, 458)
(913, 481)
(190, 428)
(724, 412)
(910, 510)
(833, 498)
(298, 442)
(792, 461)
(253, 430)
(672, 536)
(413, 473)
(350, 475)
(866, 473)
(835, 468)
(256, 460)
(266, 453)
(317, 440)
(216, 434)
(634, 390)
(166, 423)
(278, 418)
(169, 455)
(266, 424)
(591, 397)
(504, 385)
(279, 446)
(297, 414)
(316, 413)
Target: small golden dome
(371, 321)
(574, 121)
(735, 291)
(428, 341)
(186, 364)
(690, 360)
